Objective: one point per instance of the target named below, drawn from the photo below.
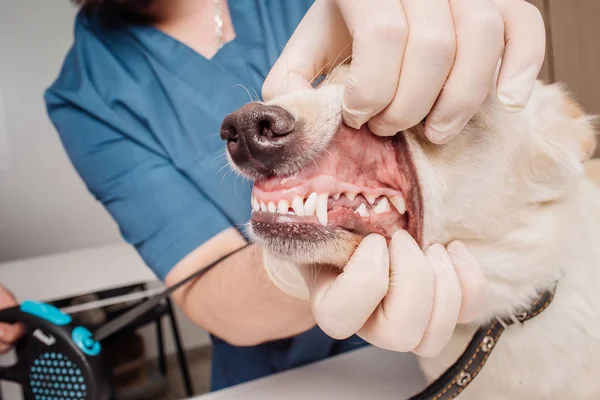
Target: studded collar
(460, 374)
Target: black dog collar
(460, 374)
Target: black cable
(125, 319)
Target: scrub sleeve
(158, 209)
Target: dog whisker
(255, 93)
(247, 91)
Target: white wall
(44, 206)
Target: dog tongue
(347, 219)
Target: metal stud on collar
(460, 374)
(463, 379)
(487, 344)
(522, 316)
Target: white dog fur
(513, 188)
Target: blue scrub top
(139, 115)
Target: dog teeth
(298, 206)
(370, 198)
(322, 208)
(382, 206)
(310, 205)
(398, 202)
(255, 204)
(362, 210)
(316, 205)
(283, 207)
(350, 195)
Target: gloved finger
(446, 303)
(525, 38)
(472, 281)
(286, 275)
(399, 322)
(341, 304)
(379, 32)
(480, 41)
(319, 42)
(427, 61)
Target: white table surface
(75, 273)
(364, 374)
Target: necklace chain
(219, 22)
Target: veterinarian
(138, 104)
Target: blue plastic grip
(46, 311)
(82, 337)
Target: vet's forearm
(237, 302)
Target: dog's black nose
(256, 135)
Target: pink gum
(289, 188)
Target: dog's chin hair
(324, 248)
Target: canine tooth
(322, 208)
(398, 202)
(298, 206)
(263, 206)
(382, 206)
(291, 213)
(336, 196)
(310, 205)
(370, 198)
(272, 207)
(362, 211)
(350, 195)
(283, 206)
(255, 204)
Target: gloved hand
(8, 333)
(413, 58)
(400, 299)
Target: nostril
(229, 131)
(232, 135)
(273, 122)
(264, 128)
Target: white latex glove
(286, 276)
(413, 58)
(399, 299)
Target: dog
(516, 188)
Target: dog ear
(554, 169)
(579, 126)
(592, 170)
(568, 141)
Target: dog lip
(273, 218)
(287, 228)
(412, 191)
(340, 219)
